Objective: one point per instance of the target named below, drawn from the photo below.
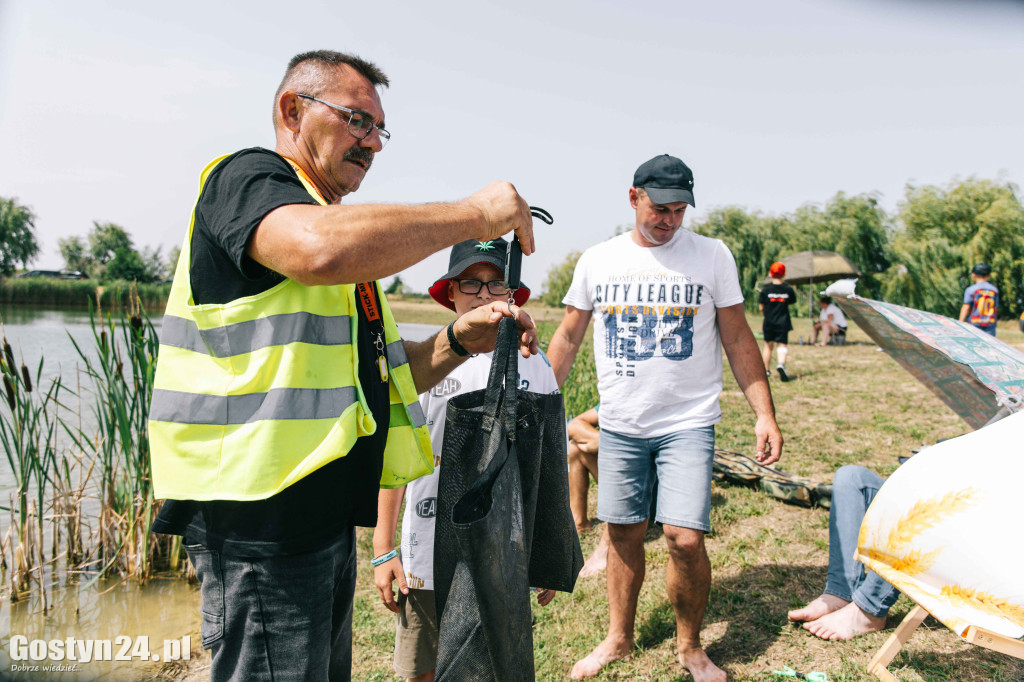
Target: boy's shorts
(682, 464)
(775, 334)
(416, 633)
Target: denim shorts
(681, 462)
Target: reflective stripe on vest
(253, 395)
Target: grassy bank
(77, 293)
(847, 405)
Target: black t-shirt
(776, 299)
(310, 513)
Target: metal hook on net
(514, 261)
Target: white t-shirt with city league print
(535, 375)
(656, 341)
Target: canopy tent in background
(816, 267)
(945, 529)
(978, 376)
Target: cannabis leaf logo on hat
(486, 246)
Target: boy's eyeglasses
(497, 287)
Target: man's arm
(477, 332)
(389, 502)
(964, 309)
(748, 368)
(583, 431)
(566, 341)
(360, 243)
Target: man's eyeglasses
(359, 122)
(497, 287)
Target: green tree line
(105, 254)
(920, 256)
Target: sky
(109, 110)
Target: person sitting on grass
(774, 302)
(474, 279)
(855, 601)
(831, 321)
(583, 438)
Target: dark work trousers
(278, 618)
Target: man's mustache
(361, 154)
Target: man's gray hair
(309, 72)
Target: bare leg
(626, 568)
(766, 354)
(579, 487)
(822, 606)
(425, 677)
(846, 623)
(598, 559)
(689, 582)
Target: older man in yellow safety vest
(284, 397)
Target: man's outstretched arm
(566, 341)
(748, 368)
(336, 244)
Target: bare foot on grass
(700, 666)
(846, 623)
(598, 559)
(822, 606)
(603, 654)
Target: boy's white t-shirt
(656, 341)
(535, 375)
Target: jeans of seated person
(853, 490)
(281, 617)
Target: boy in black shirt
(774, 303)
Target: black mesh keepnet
(503, 523)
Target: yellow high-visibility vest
(252, 395)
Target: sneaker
(782, 373)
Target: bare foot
(597, 561)
(603, 654)
(822, 606)
(700, 666)
(846, 623)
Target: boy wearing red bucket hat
(774, 303)
(475, 278)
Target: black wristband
(454, 343)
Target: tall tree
(18, 242)
(556, 285)
(943, 231)
(105, 239)
(73, 251)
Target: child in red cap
(774, 303)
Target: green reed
(80, 293)
(28, 430)
(103, 469)
(121, 373)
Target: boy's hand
(383, 576)
(544, 597)
(477, 330)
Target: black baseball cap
(981, 270)
(469, 253)
(666, 180)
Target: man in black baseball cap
(664, 301)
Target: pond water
(166, 608)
